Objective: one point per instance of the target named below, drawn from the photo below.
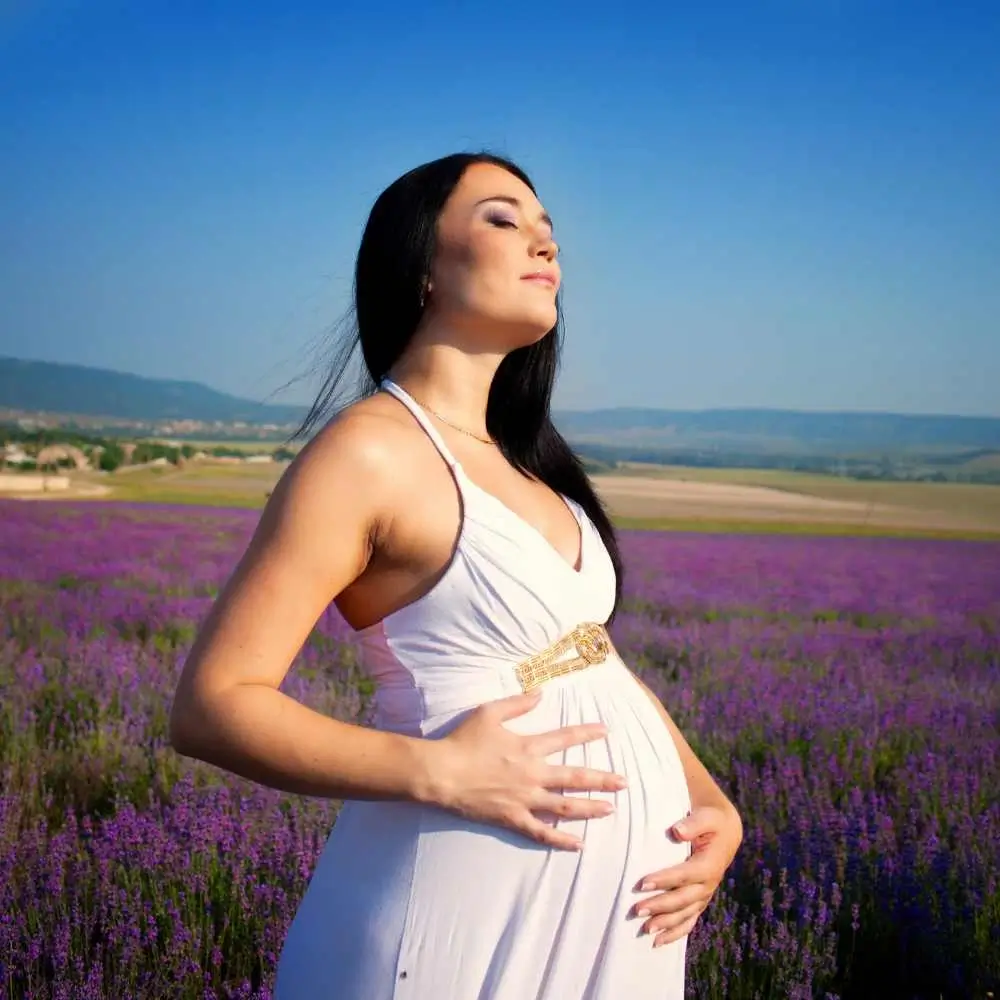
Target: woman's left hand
(686, 889)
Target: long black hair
(394, 261)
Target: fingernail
(646, 887)
(680, 828)
(642, 913)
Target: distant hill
(642, 434)
(84, 391)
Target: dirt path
(75, 491)
(649, 498)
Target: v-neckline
(459, 472)
(581, 557)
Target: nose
(545, 246)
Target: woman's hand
(486, 772)
(686, 889)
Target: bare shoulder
(348, 480)
(357, 450)
(363, 442)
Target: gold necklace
(462, 430)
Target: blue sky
(785, 203)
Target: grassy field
(664, 497)
(910, 506)
(210, 483)
(815, 528)
(250, 447)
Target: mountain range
(78, 390)
(99, 392)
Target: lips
(542, 277)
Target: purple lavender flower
(845, 692)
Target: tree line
(109, 453)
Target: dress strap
(421, 417)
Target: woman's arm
(315, 536)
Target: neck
(449, 380)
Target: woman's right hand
(486, 772)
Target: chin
(513, 330)
(536, 324)
(528, 334)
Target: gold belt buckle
(593, 645)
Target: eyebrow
(545, 217)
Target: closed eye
(502, 221)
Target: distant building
(14, 454)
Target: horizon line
(567, 410)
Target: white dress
(409, 902)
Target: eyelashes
(502, 221)
(506, 222)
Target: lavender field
(845, 692)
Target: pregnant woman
(523, 821)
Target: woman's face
(494, 272)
